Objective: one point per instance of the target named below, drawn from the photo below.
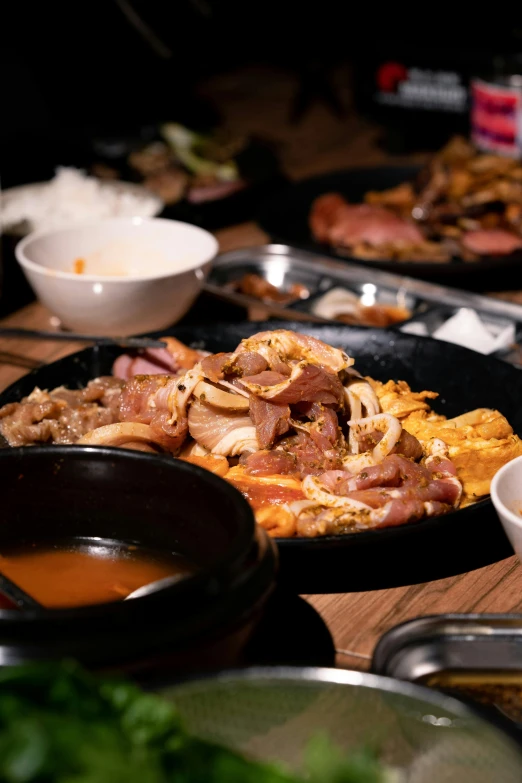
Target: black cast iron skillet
(285, 219)
(430, 549)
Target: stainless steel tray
(282, 266)
(477, 657)
(472, 642)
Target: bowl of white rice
(70, 198)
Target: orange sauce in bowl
(60, 577)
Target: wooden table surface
(254, 104)
(355, 620)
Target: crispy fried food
(400, 197)
(398, 399)
(279, 522)
(478, 446)
(480, 442)
(458, 191)
(433, 252)
(457, 150)
(460, 184)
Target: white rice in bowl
(72, 197)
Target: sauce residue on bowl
(130, 258)
(80, 574)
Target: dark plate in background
(258, 165)
(239, 207)
(430, 549)
(285, 219)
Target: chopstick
(272, 309)
(38, 334)
(18, 596)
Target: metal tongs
(38, 334)
(271, 308)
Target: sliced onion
(193, 449)
(355, 406)
(211, 395)
(235, 389)
(236, 441)
(228, 434)
(362, 391)
(180, 391)
(382, 422)
(315, 490)
(118, 434)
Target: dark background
(76, 71)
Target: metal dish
(418, 648)
(355, 298)
(473, 656)
(277, 264)
(272, 714)
(284, 266)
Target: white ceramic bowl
(506, 494)
(139, 274)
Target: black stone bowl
(203, 621)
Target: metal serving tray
(419, 648)
(283, 266)
(474, 656)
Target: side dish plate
(285, 219)
(431, 549)
(430, 305)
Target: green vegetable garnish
(59, 724)
(328, 764)
(187, 144)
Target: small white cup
(506, 494)
(141, 274)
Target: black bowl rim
(211, 576)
